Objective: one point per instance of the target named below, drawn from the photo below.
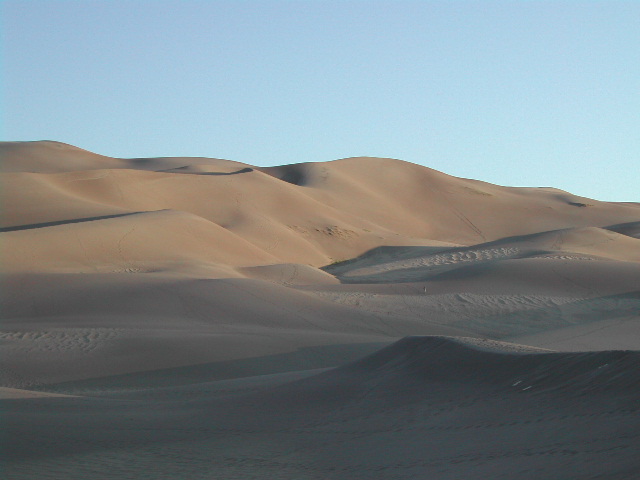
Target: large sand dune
(156, 311)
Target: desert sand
(358, 318)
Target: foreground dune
(182, 318)
(425, 407)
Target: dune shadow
(453, 262)
(215, 174)
(375, 255)
(242, 170)
(32, 226)
(630, 229)
(421, 270)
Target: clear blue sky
(516, 93)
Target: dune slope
(425, 407)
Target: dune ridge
(340, 210)
(473, 360)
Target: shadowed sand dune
(473, 360)
(171, 317)
(425, 407)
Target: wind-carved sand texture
(361, 318)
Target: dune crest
(308, 213)
(473, 360)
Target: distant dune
(175, 289)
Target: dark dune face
(424, 407)
(490, 363)
(169, 317)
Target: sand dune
(182, 318)
(393, 265)
(617, 332)
(137, 242)
(431, 253)
(521, 367)
(425, 407)
(631, 229)
(121, 323)
(330, 211)
(57, 157)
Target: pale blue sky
(516, 93)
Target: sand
(359, 318)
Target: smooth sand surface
(183, 318)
